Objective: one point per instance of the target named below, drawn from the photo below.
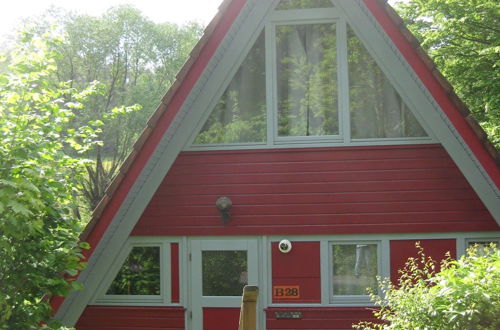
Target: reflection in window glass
(354, 268)
(140, 273)
(307, 80)
(240, 114)
(377, 110)
(225, 273)
(303, 4)
(482, 246)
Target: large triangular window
(309, 79)
(376, 108)
(240, 114)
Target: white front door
(220, 269)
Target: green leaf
(19, 208)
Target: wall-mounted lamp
(224, 205)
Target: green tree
(38, 179)
(463, 38)
(135, 61)
(465, 294)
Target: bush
(39, 250)
(465, 294)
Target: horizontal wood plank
(125, 317)
(394, 188)
(318, 318)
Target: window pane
(354, 268)
(224, 272)
(377, 110)
(302, 4)
(140, 273)
(240, 114)
(482, 245)
(307, 80)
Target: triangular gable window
(309, 79)
(377, 110)
(240, 114)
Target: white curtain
(377, 110)
(307, 80)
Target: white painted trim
(351, 300)
(315, 144)
(165, 297)
(288, 19)
(390, 236)
(464, 243)
(198, 245)
(325, 271)
(264, 287)
(280, 16)
(343, 82)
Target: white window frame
(481, 240)
(354, 300)
(273, 140)
(271, 65)
(326, 270)
(165, 296)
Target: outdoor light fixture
(224, 205)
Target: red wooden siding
(455, 113)
(119, 317)
(434, 248)
(318, 318)
(174, 270)
(300, 267)
(316, 191)
(221, 318)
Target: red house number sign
(286, 292)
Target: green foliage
(465, 294)
(133, 59)
(139, 274)
(240, 114)
(224, 272)
(307, 80)
(463, 38)
(38, 226)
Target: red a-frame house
(326, 127)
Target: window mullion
(272, 109)
(343, 82)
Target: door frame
(196, 301)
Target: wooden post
(248, 312)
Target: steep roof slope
(161, 140)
